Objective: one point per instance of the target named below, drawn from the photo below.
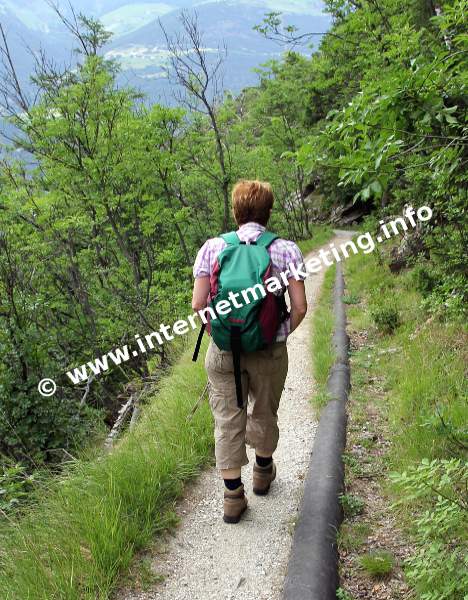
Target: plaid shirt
(282, 253)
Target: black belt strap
(236, 348)
(199, 341)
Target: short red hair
(252, 201)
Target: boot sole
(261, 492)
(228, 519)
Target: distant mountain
(138, 44)
(143, 54)
(27, 30)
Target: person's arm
(201, 289)
(298, 301)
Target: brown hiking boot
(262, 478)
(235, 503)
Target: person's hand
(298, 301)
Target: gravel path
(207, 559)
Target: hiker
(247, 358)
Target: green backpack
(250, 315)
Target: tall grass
(424, 371)
(323, 354)
(413, 374)
(87, 526)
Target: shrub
(423, 279)
(386, 317)
(438, 568)
(449, 299)
(352, 505)
(342, 594)
(15, 484)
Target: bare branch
(88, 387)
(12, 95)
(272, 29)
(200, 82)
(89, 33)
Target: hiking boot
(235, 503)
(262, 478)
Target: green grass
(352, 535)
(323, 354)
(323, 321)
(351, 299)
(422, 364)
(413, 374)
(377, 564)
(85, 528)
(321, 234)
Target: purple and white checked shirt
(282, 253)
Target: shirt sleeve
(296, 257)
(201, 267)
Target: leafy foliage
(385, 317)
(98, 234)
(352, 505)
(396, 134)
(438, 569)
(15, 485)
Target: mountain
(143, 53)
(138, 43)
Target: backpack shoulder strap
(231, 238)
(266, 239)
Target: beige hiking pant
(263, 376)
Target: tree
(201, 81)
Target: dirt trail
(207, 559)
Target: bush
(449, 299)
(423, 279)
(15, 485)
(352, 505)
(386, 317)
(438, 568)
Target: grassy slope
(401, 381)
(87, 527)
(422, 361)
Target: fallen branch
(123, 414)
(136, 405)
